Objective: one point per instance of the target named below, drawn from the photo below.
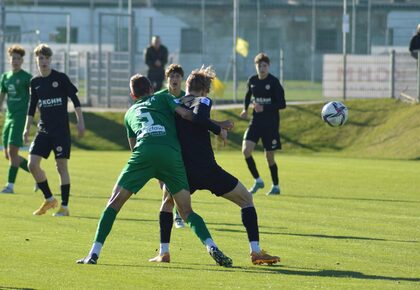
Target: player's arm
(3, 91)
(2, 97)
(278, 101)
(201, 117)
(131, 142)
(30, 115)
(247, 101)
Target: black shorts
(215, 179)
(44, 143)
(270, 136)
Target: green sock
(12, 174)
(105, 224)
(198, 226)
(24, 164)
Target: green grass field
(340, 223)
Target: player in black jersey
(268, 99)
(203, 172)
(50, 91)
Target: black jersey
(50, 94)
(194, 136)
(269, 93)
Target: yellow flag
(218, 87)
(242, 46)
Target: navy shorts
(44, 143)
(270, 136)
(214, 179)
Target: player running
(268, 100)
(174, 75)
(50, 91)
(203, 172)
(15, 84)
(156, 153)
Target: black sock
(252, 167)
(166, 220)
(250, 221)
(45, 188)
(274, 174)
(65, 194)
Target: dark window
(61, 35)
(326, 40)
(191, 40)
(13, 34)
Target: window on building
(326, 40)
(191, 40)
(61, 34)
(13, 34)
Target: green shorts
(12, 131)
(154, 161)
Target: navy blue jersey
(194, 137)
(50, 94)
(269, 93)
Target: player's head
(174, 75)
(418, 28)
(155, 41)
(140, 86)
(199, 81)
(262, 64)
(16, 54)
(43, 55)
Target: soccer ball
(335, 114)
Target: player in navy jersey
(50, 91)
(203, 172)
(268, 99)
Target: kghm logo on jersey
(55, 84)
(263, 101)
(55, 102)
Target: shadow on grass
(277, 269)
(16, 288)
(118, 218)
(354, 198)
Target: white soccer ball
(335, 114)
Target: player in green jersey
(15, 84)
(174, 75)
(156, 153)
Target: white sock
(209, 243)
(64, 206)
(259, 180)
(164, 248)
(96, 249)
(50, 198)
(255, 246)
(10, 185)
(276, 186)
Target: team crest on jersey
(267, 87)
(17, 81)
(55, 84)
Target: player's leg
(275, 188)
(34, 165)
(106, 221)
(248, 147)
(240, 196)
(63, 172)
(179, 223)
(8, 188)
(183, 203)
(165, 226)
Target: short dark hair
(174, 68)
(200, 79)
(43, 49)
(140, 85)
(16, 49)
(261, 57)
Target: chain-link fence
(303, 38)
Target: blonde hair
(200, 79)
(43, 49)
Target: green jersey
(151, 121)
(16, 86)
(166, 91)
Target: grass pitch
(340, 223)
